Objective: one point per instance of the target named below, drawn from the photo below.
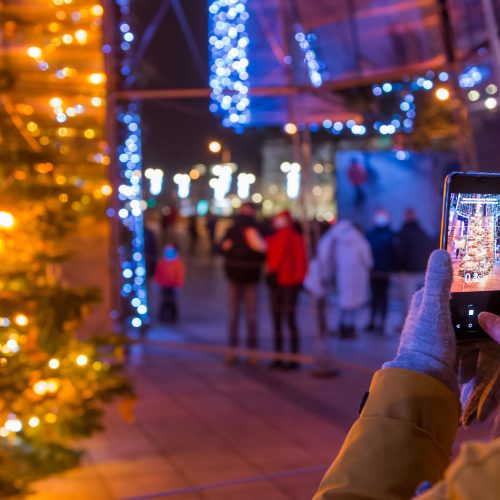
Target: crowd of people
(354, 267)
(283, 254)
(360, 267)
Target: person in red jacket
(170, 275)
(286, 269)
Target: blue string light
(228, 41)
(133, 262)
(307, 43)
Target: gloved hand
(479, 372)
(427, 342)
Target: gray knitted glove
(479, 373)
(427, 343)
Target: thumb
(438, 279)
(490, 323)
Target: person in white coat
(345, 257)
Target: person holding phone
(401, 444)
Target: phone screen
(471, 235)
(473, 231)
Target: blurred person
(211, 226)
(357, 175)
(170, 276)
(400, 447)
(318, 282)
(382, 243)
(244, 251)
(168, 219)
(286, 269)
(413, 247)
(193, 233)
(350, 255)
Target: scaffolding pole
(465, 139)
(114, 177)
(492, 28)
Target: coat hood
(282, 219)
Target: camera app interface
(474, 242)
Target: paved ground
(204, 430)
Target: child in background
(170, 274)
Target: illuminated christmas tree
(477, 262)
(53, 161)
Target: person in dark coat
(244, 250)
(413, 246)
(382, 242)
(211, 226)
(193, 234)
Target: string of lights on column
(130, 191)
(307, 43)
(228, 41)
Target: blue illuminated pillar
(228, 41)
(130, 194)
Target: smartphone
(470, 232)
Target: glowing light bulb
(82, 360)
(40, 387)
(290, 128)
(89, 133)
(97, 10)
(54, 363)
(13, 425)
(67, 39)
(442, 93)
(52, 385)
(56, 102)
(35, 52)
(97, 78)
(81, 36)
(215, 147)
(106, 190)
(34, 422)
(11, 346)
(183, 182)
(96, 102)
(473, 95)
(490, 103)
(491, 89)
(21, 320)
(7, 220)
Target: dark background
(177, 132)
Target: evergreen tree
(55, 374)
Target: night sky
(177, 132)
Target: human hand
(479, 372)
(427, 342)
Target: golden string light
(7, 220)
(82, 360)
